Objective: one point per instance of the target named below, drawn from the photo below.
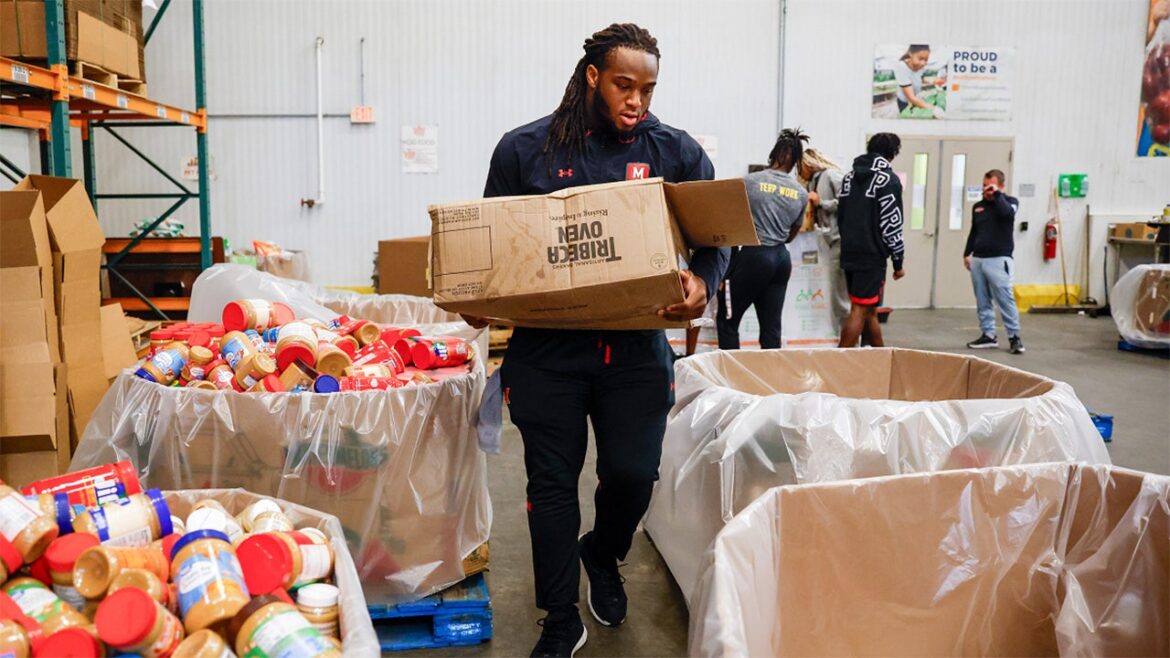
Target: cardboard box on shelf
(76, 240)
(598, 256)
(1133, 231)
(106, 34)
(117, 347)
(403, 266)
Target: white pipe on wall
(320, 137)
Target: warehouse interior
(419, 328)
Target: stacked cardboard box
(34, 434)
(52, 260)
(105, 33)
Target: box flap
(28, 396)
(73, 226)
(918, 376)
(117, 346)
(713, 213)
(24, 236)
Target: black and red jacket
(520, 166)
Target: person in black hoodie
(988, 256)
(869, 215)
(556, 380)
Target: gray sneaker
(1017, 345)
(984, 342)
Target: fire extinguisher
(1050, 240)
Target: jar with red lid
(255, 314)
(379, 370)
(296, 341)
(220, 374)
(62, 556)
(130, 620)
(430, 353)
(270, 384)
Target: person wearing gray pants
(988, 256)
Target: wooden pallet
(101, 76)
(498, 337)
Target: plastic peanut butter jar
(211, 583)
(267, 626)
(203, 644)
(25, 525)
(130, 620)
(97, 567)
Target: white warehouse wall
(475, 68)
(1075, 99)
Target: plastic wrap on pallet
(747, 421)
(401, 469)
(1032, 560)
(1140, 304)
(357, 631)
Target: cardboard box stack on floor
(105, 33)
(52, 322)
(34, 430)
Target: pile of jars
(260, 347)
(92, 565)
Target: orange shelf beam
(163, 303)
(90, 101)
(153, 246)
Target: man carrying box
(554, 379)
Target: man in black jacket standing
(988, 256)
(555, 381)
(869, 215)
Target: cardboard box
(106, 33)
(24, 243)
(599, 256)
(1025, 560)
(1135, 231)
(404, 266)
(76, 240)
(117, 346)
(28, 458)
(1152, 309)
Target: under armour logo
(564, 173)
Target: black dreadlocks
(789, 148)
(571, 120)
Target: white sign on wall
(190, 168)
(420, 149)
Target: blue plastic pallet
(1126, 346)
(460, 615)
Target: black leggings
(759, 276)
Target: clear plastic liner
(357, 631)
(1032, 560)
(1140, 305)
(401, 469)
(747, 421)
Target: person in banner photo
(1154, 112)
(909, 85)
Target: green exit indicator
(1073, 185)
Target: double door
(942, 179)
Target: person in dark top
(758, 276)
(869, 216)
(555, 381)
(988, 256)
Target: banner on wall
(931, 81)
(1154, 109)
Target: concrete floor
(1077, 350)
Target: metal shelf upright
(50, 101)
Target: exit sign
(362, 114)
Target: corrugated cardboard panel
(991, 380)
(897, 571)
(117, 347)
(928, 376)
(403, 265)
(713, 213)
